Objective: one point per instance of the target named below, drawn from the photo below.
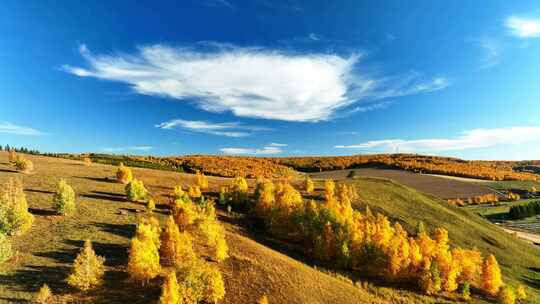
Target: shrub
(24, 165)
(201, 281)
(465, 290)
(169, 290)
(506, 295)
(194, 191)
(521, 293)
(123, 174)
(64, 198)
(135, 190)
(151, 205)
(87, 161)
(5, 248)
(308, 185)
(202, 180)
(14, 215)
(12, 156)
(44, 295)
(88, 269)
(263, 300)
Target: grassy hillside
(519, 261)
(46, 252)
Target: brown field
(437, 186)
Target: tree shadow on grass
(39, 191)
(31, 278)
(118, 288)
(8, 170)
(123, 230)
(98, 179)
(42, 212)
(105, 197)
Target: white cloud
(7, 127)
(492, 51)
(252, 82)
(242, 151)
(476, 138)
(277, 145)
(230, 129)
(132, 148)
(523, 27)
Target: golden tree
(506, 295)
(176, 247)
(263, 300)
(215, 237)
(308, 185)
(44, 295)
(143, 261)
(14, 215)
(170, 290)
(123, 174)
(12, 156)
(202, 180)
(135, 190)
(87, 161)
(64, 198)
(521, 293)
(194, 191)
(491, 276)
(23, 165)
(88, 269)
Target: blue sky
(272, 78)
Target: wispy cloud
(218, 3)
(523, 27)
(10, 128)
(230, 129)
(371, 107)
(125, 149)
(314, 37)
(278, 145)
(269, 150)
(471, 139)
(492, 50)
(253, 82)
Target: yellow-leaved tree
(169, 290)
(143, 261)
(176, 247)
(64, 198)
(491, 276)
(44, 295)
(14, 215)
(202, 180)
(88, 269)
(123, 174)
(308, 185)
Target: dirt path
(530, 237)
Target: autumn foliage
(123, 174)
(14, 215)
(88, 269)
(338, 235)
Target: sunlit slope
(46, 252)
(520, 261)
